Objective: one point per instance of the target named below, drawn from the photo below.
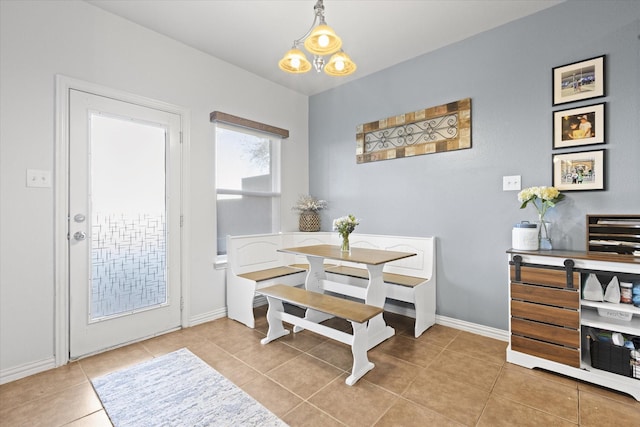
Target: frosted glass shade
(323, 41)
(294, 61)
(340, 65)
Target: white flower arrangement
(345, 225)
(308, 203)
(547, 197)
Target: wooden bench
(254, 262)
(356, 313)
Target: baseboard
(208, 316)
(474, 328)
(12, 374)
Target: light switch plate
(38, 178)
(511, 183)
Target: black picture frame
(579, 171)
(578, 81)
(575, 127)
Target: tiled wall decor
(432, 130)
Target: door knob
(79, 235)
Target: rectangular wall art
(432, 130)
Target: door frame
(61, 202)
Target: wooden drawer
(557, 353)
(546, 314)
(553, 334)
(544, 276)
(543, 295)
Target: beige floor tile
(416, 351)
(334, 353)
(503, 412)
(408, 414)
(54, 409)
(453, 399)
(391, 373)
(306, 415)
(271, 395)
(485, 348)
(551, 376)
(608, 393)
(539, 393)
(172, 341)
(114, 360)
(358, 405)
(303, 341)
(477, 372)
(440, 335)
(598, 411)
(39, 385)
(234, 337)
(97, 419)
(266, 357)
(229, 366)
(304, 375)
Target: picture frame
(579, 171)
(579, 80)
(579, 126)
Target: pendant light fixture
(320, 41)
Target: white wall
(40, 39)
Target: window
(247, 182)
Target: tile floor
(446, 377)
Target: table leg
(312, 283)
(378, 330)
(361, 364)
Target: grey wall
(457, 196)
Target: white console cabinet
(549, 321)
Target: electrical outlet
(37, 178)
(511, 183)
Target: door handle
(79, 235)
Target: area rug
(178, 389)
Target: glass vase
(544, 235)
(345, 243)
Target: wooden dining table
(373, 294)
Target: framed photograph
(578, 126)
(578, 81)
(579, 171)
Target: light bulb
(339, 64)
(295, 62)
(323, 40)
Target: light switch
(511, 183)
(38, 178)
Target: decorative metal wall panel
(432, 130)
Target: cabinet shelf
(591, 318)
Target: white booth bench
(254, 262)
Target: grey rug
(178, 389)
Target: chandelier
(320, 40)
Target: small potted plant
(309, 207)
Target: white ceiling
(255, 34)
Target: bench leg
(276, 328)
(425, 305)
(361, 364)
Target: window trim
(275, 136)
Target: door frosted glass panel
(128, 224)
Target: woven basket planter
(309, 221)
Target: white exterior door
(124, 222)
